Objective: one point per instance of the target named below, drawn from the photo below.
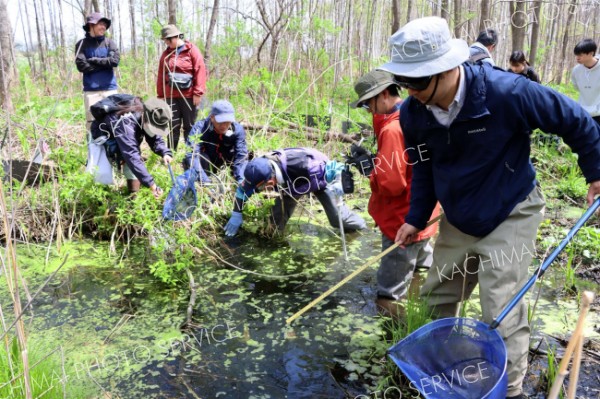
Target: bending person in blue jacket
(292, 172)
(472, 124)
(217, 140)
(126, 127)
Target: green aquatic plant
(49, 376)
(551, 371)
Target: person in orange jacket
(390, 176)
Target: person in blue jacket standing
(472, 124)
(293, 172)
(96, 56)
(216, 141)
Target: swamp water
(120, 332)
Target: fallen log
(310, 132)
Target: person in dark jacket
(216, 141)
(481, 50)
(519, 64)
(96, 56)
(183, 91)
(472, 123)
(126, 128)
(293, 172)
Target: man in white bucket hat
(472, 125)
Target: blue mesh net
(454, 358)
(182, 199)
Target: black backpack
(109, 105)
(477, 59)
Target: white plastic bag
(98, 164)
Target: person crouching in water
(133, 122)
(292, 172)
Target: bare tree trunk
(172, 11)
(457, 18)
(535, 32)
(108, 9)
(6, 58)
(409, 8)
(119, 24)
(395, 15)
(63, 43)
(43, 26)
(518, 24)
(275, 28)
(96, 5)
(53, 27)
(565, 42)
(133, 35)
(87, 8)
(445, 10)
(485, 14)
(209, 34)
(26, 35)
(39, 38)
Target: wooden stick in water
(586, 300)
(350, 277)
(574, 375)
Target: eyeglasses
(417, 84)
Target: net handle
(171, 173)
(542, 269)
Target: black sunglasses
(418, 84)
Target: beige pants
(499, 262)
(90, 98)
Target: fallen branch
(193, 294)
(310, 132)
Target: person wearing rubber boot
(390, 179)
(473, 122)
(293, 172)
(125, 127)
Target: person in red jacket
(390, 178)
(181, 81)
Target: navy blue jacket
(479, 168)
(96, 57)
(214, 150)
(128, 133)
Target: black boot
(133, 186)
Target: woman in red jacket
(181, 81)
(390, 178)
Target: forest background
(277, 62)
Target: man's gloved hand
(333, 170)
(235, 221)
(361, 159)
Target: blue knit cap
(257, 171)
